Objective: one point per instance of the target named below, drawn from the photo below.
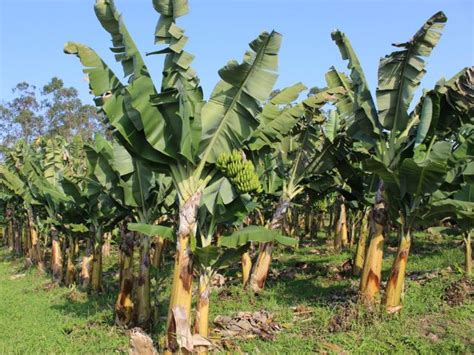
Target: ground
(310, 296)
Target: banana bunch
(240, 172)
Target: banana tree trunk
(10, 237)
(70, 267)
(106, 245)
(314, 227)
(343, 223)
(331, 221)
(395, 283)
(340, 238)
(262, 266)
(86, 269)
(56, 257)
(246, 268)
(35, 250)
(181, 292)
(468, 253)
(143, 305)
(27, 239)
(202, 315)
(370, 281)
(354, 223)
(96, 281)
(159, 247)
(359, 258)
(17, 237)
(124, 306)
(308, 221)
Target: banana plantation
(244, 219)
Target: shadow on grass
(99, 308)
(82, 305)
(294, 292)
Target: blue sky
(32, 34)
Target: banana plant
(174, 129)
(25, 177)
(290, 133)
(140, 194)
(16, 197)
(41, 170)
(354, 182)
(454, 200)
(410, 162)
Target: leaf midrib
(231, 106)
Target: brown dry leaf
(141, 343)
(183, 332)
(394, 309)
(17, 276)
(217, 281)
(199, 340)
(347, 265)
(247, 325)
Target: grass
(37, 319)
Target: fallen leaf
(183, 332)
(394, 309)
(141, 343)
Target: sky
(33, 32)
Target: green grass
(38, 320)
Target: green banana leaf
(255, 234)
(228, 118)
(400, 73)
(152, 230)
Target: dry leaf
(141, 343)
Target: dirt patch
(458, 292)
(352, 314)
(430, 328)
(343, 320)
(436, 328)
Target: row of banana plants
(219, 175)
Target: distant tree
(66, 115)
(21, 117)
(55, 109)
